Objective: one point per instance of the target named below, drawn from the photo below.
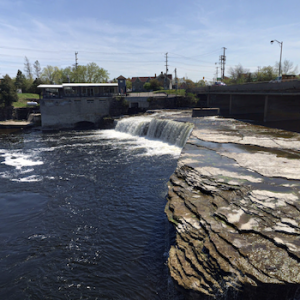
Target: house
(138, 82)
(69, 105)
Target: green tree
(266, 73)
(200, 83)
(52, 75)
(34, 85)
(128, 83)
(190, 84)
(20, 80)
(155, 84)
(147, 86)
(8, 93)
(95, 74)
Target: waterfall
(169, 131)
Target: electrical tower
(167, 64)
(222, 63)
(217, 71)
(76, 59)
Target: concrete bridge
(266, 102)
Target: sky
(131, 38)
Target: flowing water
(82, 212)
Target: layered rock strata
(234, 200)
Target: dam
(164, 206)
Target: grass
(23, 99)
(172, 92)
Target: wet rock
(237, 215)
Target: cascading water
(169, 131)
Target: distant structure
(122, 84)
(138, 82)
(71, 105)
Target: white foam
(19, 160)
(151, 147)
(32, 178)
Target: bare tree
(238, 74)
(37, 69)
(28, 69)
(287, 67)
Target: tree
(190, 84)
(8, 93)
(288, 67)
(51, 75)
(155, 84)
(200, 83)
(91, 73)
(95, 74)
(20, 80)
(147, 86)
(33, 88)
(128, 83)
(28, 69)
(266, 73)
(238, 74)
(37, 69)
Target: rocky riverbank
(234, 200)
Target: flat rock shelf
(234, 200)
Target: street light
(280, 53)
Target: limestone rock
(237, 226)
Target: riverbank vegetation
(19, 90)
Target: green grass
(24, 98)
(172, 92)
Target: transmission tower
(167, 63)
(222, 63)
(217, 71)
(76, 59)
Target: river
(82, 215)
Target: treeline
(34, 75)
(239, 74)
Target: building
(69, 105)
(122, 85)
(138, 82)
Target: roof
(142, 79)
(50, 86)
(121, 77)
(60, 86)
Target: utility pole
(76, 59)
(222, 63)
(167, 64)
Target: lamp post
(280, 54)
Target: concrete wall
(65, 113)
(282, 108)
(247, 104)
(220, 101)
(289, 86)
